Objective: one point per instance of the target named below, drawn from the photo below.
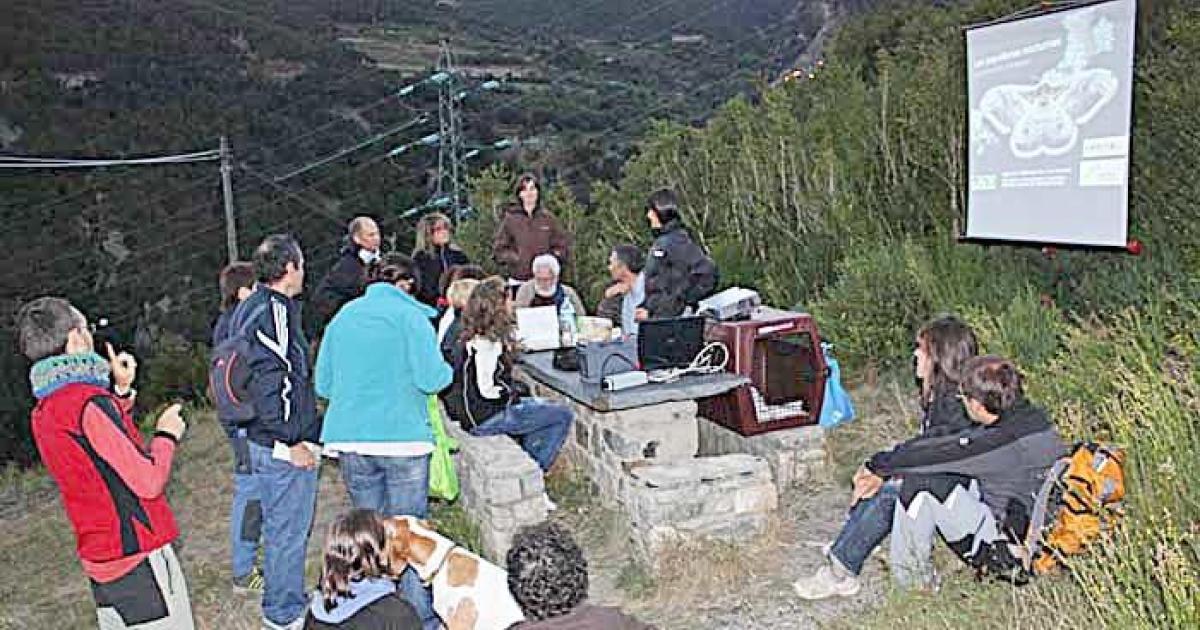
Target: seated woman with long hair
(942, 347)
(484, 397)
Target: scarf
(53, 373)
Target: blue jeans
(539, 426)
(394, 486)
(289, 497)
(245, 524)
(869, 522)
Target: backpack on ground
(1079, 501)
(229, 374)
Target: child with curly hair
(548, 576)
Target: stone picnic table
(539, 366)
(641, 449)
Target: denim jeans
(245, 515)
(289, 497)
(245, 524)
(869, 522)
(394, 486)
(539, 426)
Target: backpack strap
(1041, 508)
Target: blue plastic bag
(837, 407)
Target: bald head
(365, 233)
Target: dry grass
(49, 589)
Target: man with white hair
(544, 289)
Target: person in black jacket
(941, 348)
(347, 279)
(678, 273)
(245, 516)
(434, 254)
(283, 435)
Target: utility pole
(231, 241)
(452, 168)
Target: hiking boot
(296, 624)
(251, 582)
(826, 583)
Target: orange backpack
(1080, 500)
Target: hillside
(290, 82)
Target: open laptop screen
(670, 342)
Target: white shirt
(380, 449)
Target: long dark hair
(355, 549)
(526, 178)
(487, 314)
(950, 343)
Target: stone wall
(644, 463)
(729, 497)
(502, 488)
(794, 455)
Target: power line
(14, 161)
(348, 150)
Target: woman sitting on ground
(484, 397)
(941, 349)
(357, 591)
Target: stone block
(794, 455)
(503, 490)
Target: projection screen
(1050, 100)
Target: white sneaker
(824, 584)
(296, 624)
(550, 505)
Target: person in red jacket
(112, 484)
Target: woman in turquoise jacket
(378, 364)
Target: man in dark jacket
(678, 273)
(347, 278)
(528, 230)
(283, 436)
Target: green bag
(443, 481)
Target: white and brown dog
(454, 573)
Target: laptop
(670, 342)
(537, 328)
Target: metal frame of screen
(1039, 10)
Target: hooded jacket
(522, 236)
(373, 604)
(1009, 458)
(678, 273)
